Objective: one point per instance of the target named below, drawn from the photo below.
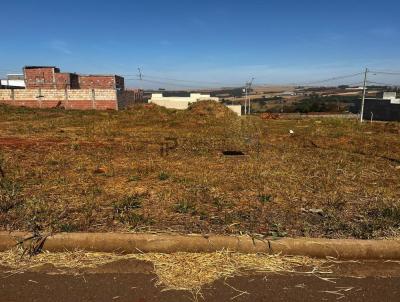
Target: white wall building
(182, 103)
(235, 108)
(13, 81)
(176, 102)
(392, 96)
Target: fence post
(66, 97)
(40, 97)
(12, 94)
(93, 99)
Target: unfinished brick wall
(66, 80)
(49, 77)
(84, 99)
(43, 77)
(128, 98)
(119, 83)
(101, 82)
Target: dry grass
(179, 271)
(102, 171)
(191, 271)
(14, 259)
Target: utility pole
(245, 101)
(363, 96)
(140, 76)
(248, 87)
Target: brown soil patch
(23, 142)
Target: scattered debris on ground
(178, 271)
(269, 116)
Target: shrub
(163, 176)
(184, 207)
(130, 202)
(124, 210)
(264, 198)
(9, 195)
(134, 178)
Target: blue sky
(286, 41)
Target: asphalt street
(136, 282)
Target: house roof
(37, 67)
(99, 75)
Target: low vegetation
(152, 169)
(310, 104)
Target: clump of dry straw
(189, 271)
(177, 271)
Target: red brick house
(49, 77)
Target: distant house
(386, 108)
(355, 88)
(287, 93)
(13, 81)
(392, 96)
(179, 102)
(183, 102)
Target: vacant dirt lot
(152, 169)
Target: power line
(185, 81)
(385, 72)
(383, 84)
(190, 81)
(177, 82)
(172, 81)
(9, 70)
(355, 84)
(240, 85)
(156, 80)
(166, 83)
(6, 73)
(332, 79)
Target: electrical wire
(385, 72)
(165, 83)
(356, 84)
(191, 81)
(331, 79)
(9, 70)
(241, 85)
(206, 84)
(156, 81)
(383, 84)
(185, 81)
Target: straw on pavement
(178, 271)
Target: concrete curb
(167, 243)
